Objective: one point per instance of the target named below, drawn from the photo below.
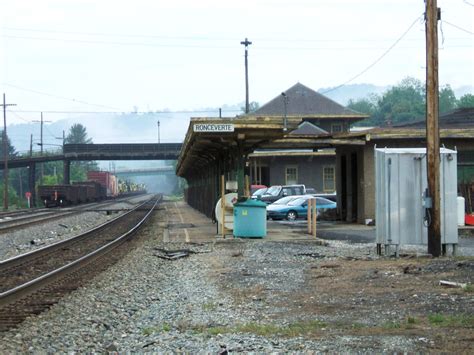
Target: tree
(402, 103)
(447, 99)
(367, 105)
(253, 106)
(10, 148)
(77, 135)
(466, 101)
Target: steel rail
(51, 248)
(31, 286)
(29, 220)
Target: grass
(391, 325)
(209, 306)
(469, 288)
(265, 329)
(460, 320)
(311, 327)
(159, 329)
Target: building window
(336, 128)
(329, 179)
(291, 175)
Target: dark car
(278, 191)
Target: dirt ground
(360, 297)
(337, 290)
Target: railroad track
(38, 216)
(32, 282)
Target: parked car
(329, 196)
(285, 200)
(254, 188)
(278, 191)
(298, 208)
(258, 193)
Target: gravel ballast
(49, 232)
(246, 296)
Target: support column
(67, 171)
(32, 182)
(240, 170)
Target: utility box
(250, 219)
(402, 211)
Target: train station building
(299, 147)
(288, 140)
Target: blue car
(297, 208)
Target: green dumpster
(250, 219)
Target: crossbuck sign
(213, 127)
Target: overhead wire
(376, 60)
(125, 112)
(458, 27)
(58, 97)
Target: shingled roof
(459, 118)
(305, 102)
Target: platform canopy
(209, 140)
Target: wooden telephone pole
(5, 154)
(432, 16)
(246, 43)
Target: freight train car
(106, 179)
(100, 185)
(58, 195)
(95, 191)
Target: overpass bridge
(162, 170)
(88, 152)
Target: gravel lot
(260, 296)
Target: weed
(436, 319)
(391, 325)
(209, 306)
(411, 320)
(150, 330)
(460, 320)
(468, 288)
(291, 330)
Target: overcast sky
(184, 55)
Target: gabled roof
(305, 102)
(307, 128)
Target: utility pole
(285, 103)
(41, 144)
(158, 132)
(246, 43)
(432, 16)
(5, 154)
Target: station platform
(183, 223)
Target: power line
(58, 97)
(202, 38)
(378, 59)
(195, 46)
(127, 113)
(458, 27)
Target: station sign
(213, 127)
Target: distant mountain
(343, 94)
(113, 128)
